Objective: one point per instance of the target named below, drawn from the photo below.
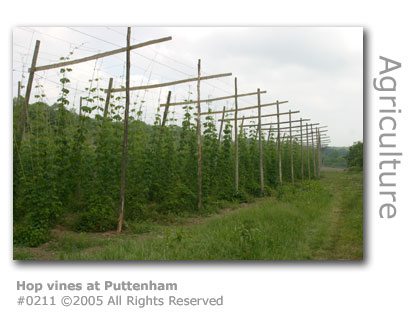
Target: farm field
(313, 220)
(120, 164)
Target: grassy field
(317, 220)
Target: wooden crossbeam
(275, 129)
(99, 55)
(263, 116)
(245, 108)
(265, 124)
(297, 130)
(324, 136)
(211, 99)
(299, 135)
(171, 83)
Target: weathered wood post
(80, 109)
(18, 92)
(24, 114)
(318, 136)
(199, 142)
(308, 153)
(165, 113)
(125, 141)
(260, 144)
(320, 156)
(291, 149)
(107, 100)
(221, 126)
(279, 144)
(302, 155)
(236, 141)
(269, 133)
(313, 151)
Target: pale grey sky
(319, 70)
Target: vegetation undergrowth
(308, 221)
(67, 168)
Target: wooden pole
(80, 108)
(297, 128)
(221, 126)
(108, 99)
(308, 153)
(269, 133)
(245, 108)
(272, 123)
(302, 155)
(291, 150)
(236, 141)
(199, 143)
(260, 144)
(266, 115)
(18, 92)
(165, 113)
(279, 144)
(125, 141)
(317, 134)
(241, 125)
(320, 155)
(211, 99)
(98, 56)
(23, 120)
(313, 152)
(167, 84)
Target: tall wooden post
(308, 153)
(125, 141)
(80, 109)
(23, 120)
(319, 153)
(199, 142)
(302, 155)
(279, 144)
(165, 113)
(108, 99)
(18, 92)
(269, 133)
(318, 136)
(260, 144)
(236, 141)
(313, 151)
(291, 149)
(221, 126)
(241, 125)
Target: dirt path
(343, 242)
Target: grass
(316, 220)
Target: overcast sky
(318, 70)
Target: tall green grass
(279, 229)
(313, 220)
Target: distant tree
(355, 156)
(334, 157)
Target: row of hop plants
(67, 169)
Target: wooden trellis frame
(319, 137)
(34, 69)
(125, 141)
(262, 116)
(211, 99)
(172, 83)
(273, 123)
(243, 109)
